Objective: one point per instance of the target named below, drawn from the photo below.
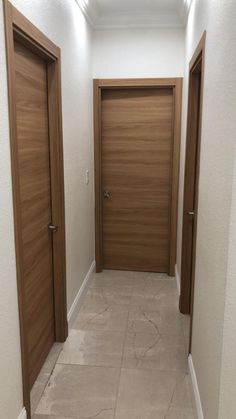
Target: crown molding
(87, 11)
(176, 19)
(132, 25)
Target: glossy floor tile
(126, 355)
(80, 392)
(96, 348)
(144, 393)
(44, 375)
(155, 352)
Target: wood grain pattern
(101, 85)
(137, 149)
(35, 205)
(192, 169)
(134, 83)
(17, 27)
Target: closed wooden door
(35, 204)
(137, 151)
(191, 182)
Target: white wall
(138, 53)
(227, 407)
(63, 22)
(215, 195)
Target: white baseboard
(79, 297)
(177, 278)
(23, 414)
(196, 393)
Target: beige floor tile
(113, 318)
(152, 294)
(186, 325)
(144, 281)
(80, 392)
(44, 375)
(155, 352)
(98, 299)
(158, 414)
(52, 358)
(130, 318)
(162, 322)
(50, 417)
(38, 389)
(96, 348)
(110, 279)
(147, 394)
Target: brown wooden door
(190, 189)
(192, 170)
(35, 204)
(137, 150)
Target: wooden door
(192, 169)
(35, 204)
(190, 207)
(137, 151)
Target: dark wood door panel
(35, 203)
(137, 148)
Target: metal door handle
(53, 228)
(191, 213)
(107, 194)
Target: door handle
(107, 195)
(52, 228)
(191, 214)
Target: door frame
(193, 140)
(18, 27)
(98, 86)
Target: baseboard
(196, 393)
(23, 414)
(80, 296)
(177, 278)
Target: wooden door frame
(18, 27)
(98, 86)
(187, 284)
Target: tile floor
(125, 358)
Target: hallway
(126, 354)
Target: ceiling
(135, 13)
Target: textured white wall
(227, 408)
(63, 22)
(138, 53)
(216, 174)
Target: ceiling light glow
(188, 3)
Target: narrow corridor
(126, 355)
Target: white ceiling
(135, 13)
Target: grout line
(128, 307)
(122, 356)
(49, 374)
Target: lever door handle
(191, 213)
(107, 194)
(52, 227)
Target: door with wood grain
(191, 180)
(33, 159)
(137, 155)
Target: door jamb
(98, 86)
(187, 286)
(20, 28)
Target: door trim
(187, 284)
(18, 27)
(100, 84)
